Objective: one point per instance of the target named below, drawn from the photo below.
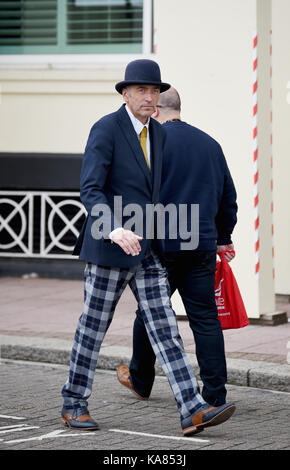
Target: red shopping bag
(229, 302)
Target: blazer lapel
(132, 139)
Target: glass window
(71, 26)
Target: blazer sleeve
(226, 218)
(95, 169)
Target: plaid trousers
(103, 289)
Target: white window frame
(83, 60)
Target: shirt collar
(138, 125)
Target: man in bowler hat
(123, 158)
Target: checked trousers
(193, 274)
(103, 289)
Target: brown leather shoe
(123, 375)
(207, 416)
(79, 419)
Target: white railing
(27, 231)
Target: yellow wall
(204, 49)
(53, 110)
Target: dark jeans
(193, 274)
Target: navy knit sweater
(195, 172)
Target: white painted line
(160, 436)
(13, 426)
(27, 428)
(52, 434)
(10, 417)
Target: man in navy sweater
(194, 172)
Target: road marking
(10, 417)
(22, 428)
(160, 436)
(53, 434)
(13, 426)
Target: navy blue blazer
(114, 165)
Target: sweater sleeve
(226, 217)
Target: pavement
(39, 316)
(147, 431)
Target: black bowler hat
(142, 71)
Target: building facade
(59, 62)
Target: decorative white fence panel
(39, 224)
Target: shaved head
(170, 99)
(168, 107)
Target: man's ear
(125, 95)
(156, 113)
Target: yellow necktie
(143, 138)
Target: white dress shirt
(138, 127)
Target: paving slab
(39, 316)
(31, 403)
(57, 351)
